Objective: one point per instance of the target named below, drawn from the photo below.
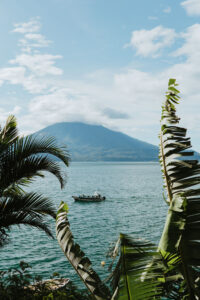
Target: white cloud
(192, 7)
(40, 64)
(32, 26)
(151, 42)
(64, 104)
(188, 71)
(28, 68)
(125, 99)
(34, 85)
(191, 46)
(167, 10)
(34, 40)
(5, 113)
(13, 75)
(17, 76)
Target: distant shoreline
(114, 161)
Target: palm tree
(21, 160)
(171, 270)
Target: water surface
(133, 205)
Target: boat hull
(88, 199)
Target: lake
(134, 204)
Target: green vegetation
(146, 271)
(19, 284)
(21, 160)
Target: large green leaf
(181, 173)
(76, 256)
(141, 272)
(174, 225)
(180, 170)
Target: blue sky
(101, 62)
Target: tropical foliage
(77, 257)
(20, 284)
(171, 270)
(21, 160)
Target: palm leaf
(27, 157)
(21, 160)
(181, 173)
(35, 145)
(22, 172)
(32, 202)
(76, 256)
(9, 132)
(25, 208)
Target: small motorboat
(94, 198)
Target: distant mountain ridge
(96, 143)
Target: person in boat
(97, 195)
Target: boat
(94, 198)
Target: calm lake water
(134, 205)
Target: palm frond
(12, 191)
(76, 256)
(21, 160)
(23, 172)
(181, 173)
(25, 208)
(31, 202)
(26, 157)
(33, 145)
(14, 219)
(9, 132)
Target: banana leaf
(76, 256)
(141, 272)
(181, 174)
